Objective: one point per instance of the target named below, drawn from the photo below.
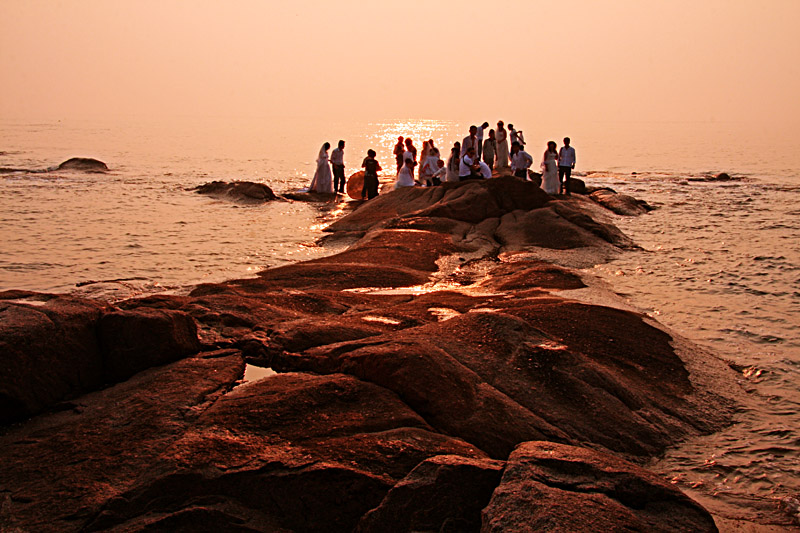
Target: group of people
(327, 181)
(472, 158)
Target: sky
(587, 60)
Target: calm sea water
(720, 262)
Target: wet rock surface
(242, 192)
(552, 487)
(409, 366)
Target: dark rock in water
(722, 176)
(83, 163)
(621, 204)
(553, 487)
(443, 493)
(244, 192)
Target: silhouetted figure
(337, 162)
(489, 149)
(470, 141)
(479, 135)
(550, 169)
(501, 156)
(322, 181)
(453, 162)
(371, 168)
(410, 153)
(405, 178)
(521, 161)
(566, 162)
(515, 136)
(468, 167)
(399, 149)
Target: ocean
(719, 264)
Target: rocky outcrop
(242, 192)
(84, 164)
(552, 487)
(410, 366)
(57, 347)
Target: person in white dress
(501, 154)
(323, 179)
(405, 178)
(550, 182)
(453, 162)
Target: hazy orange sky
(580, 60)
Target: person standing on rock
(515, 136)
(337, 162)
(470, 141)
(371, 168)
(453, 162)
(550, 169)
(322, 181)
(489, 149)
(521, 161)
(410, 153)
(399, 148)
(566, 162)
(502, 147)
(479, 135)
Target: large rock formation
(410, 366)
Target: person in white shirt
(479, 135)
(429, 167)
(441, 174)
(515, 136)
(521, 161)
(566, 162)
(486, 172)
(470, 141)
(405, 178)
(337, 162)
(465, 166)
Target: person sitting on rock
(440, 174)
(467, 169)
(405, 178)
(371, 168)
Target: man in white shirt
(470, 141)
(337, 162)
(486, 172)
(521, 161)
(566, 162)
(515, 136)
(480, 138)
(465, 165)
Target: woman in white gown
(501, 135)
(323, 180)
(550, 182)
(405, 178)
